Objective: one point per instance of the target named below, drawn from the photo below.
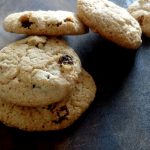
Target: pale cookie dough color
(111, 22)
(44, 23)
(140, 10)
(55, 116)
(37, 71)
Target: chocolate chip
(37, 45)
(26, 24)
(51, 107)
(68, 19)
(63, 108)
(62, 114)
(65, 59)
(33, 86)
(25, 21)
(48, 76)
(59, 120)
(58, 24)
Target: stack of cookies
(42, 84)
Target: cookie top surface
(55, 116)
(44, 23)
(37, 71)
(111, 22)
(140, 10)
(140, 4)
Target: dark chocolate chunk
(48, 76)
(51, 107)
(65, 59)
(62, 114)
(33, 86)
(26, 24)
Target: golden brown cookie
(111, 22)
(44, 23)
(37, 71)
(55, 116)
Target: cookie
(55, 116)
(44, 23)
(37, 71)
(140, 10)
(111, 22)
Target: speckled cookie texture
(140, 10)
(55, 116)
(37, 71)
(45, 23)
(111, 22)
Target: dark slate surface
(119, 118)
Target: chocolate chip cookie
(44, 23)
(111, 22)
(55, 116)
(37, 71)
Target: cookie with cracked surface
(55, 116)
(111, 22)
(140, 10)
(37, 71)
(45, 23)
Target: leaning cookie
(55, 116)
(111, 22)
(37, 71)
(44, 23)
(140, 10)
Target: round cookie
(44, 23)
(37, 71)
(140, 10)
(55, 116)
(111, 22)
